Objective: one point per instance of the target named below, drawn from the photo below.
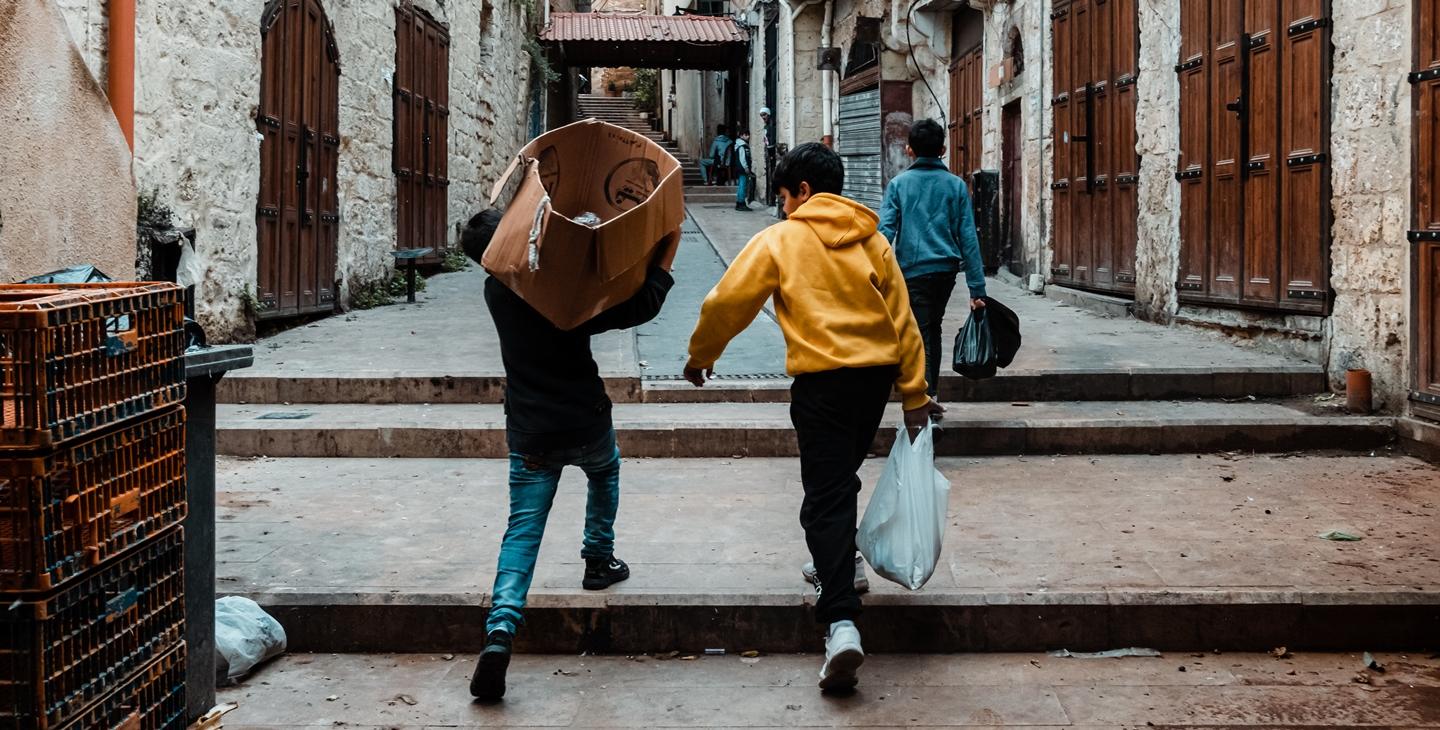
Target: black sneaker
(488, 683)
(604, 572)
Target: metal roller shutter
(859, 145)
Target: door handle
(302, 174)
(1089, 137)
(1241, 105)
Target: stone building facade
(198, 92)
(1368, 314)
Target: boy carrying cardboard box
(850, 337)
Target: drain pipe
(120, 75)
(795, 11)
(827, 94)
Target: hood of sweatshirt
(839, 222)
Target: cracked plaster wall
(198, 84)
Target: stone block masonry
(198, 87)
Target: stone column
(1157, 127)
(1370, 140)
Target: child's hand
(977, 304)
(698, 376)
(918, 418)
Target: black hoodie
(554, 396)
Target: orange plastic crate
(61, 652)
(68, 510)
(154, 699)
(75, 358)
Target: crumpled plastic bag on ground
(904, 524)
(245, 636)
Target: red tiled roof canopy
(659, 41)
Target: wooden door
(967, 108)
(1425, 235)
(422, 112)
(298, 214)
(1011, 181)
(1096, 170)
(1254, 78)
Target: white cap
(765, 111)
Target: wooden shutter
(1061, 269)
(1254, 77)
(1425, 235)
(421, 154)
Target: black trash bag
(975, 355)
(1004, 331)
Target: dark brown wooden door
(1254, 172)
(1096, 46)
(298, 216)
(1011, 181)
(422, 115)
(1425, 236)
(967, 108)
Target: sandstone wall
(798, 113)
(66, 192)
(1370, 176)
(1157, 134)
(198, 84)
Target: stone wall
(1157, 134)
(66, 192)
(197, 96)
(1370, 178)
(798, 113)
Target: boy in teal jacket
(928, 218)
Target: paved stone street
(1178, 689)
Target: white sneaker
(862, 582)
(843, 655)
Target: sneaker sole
(861, 586)
(842, 671)
(590, 584)
(489, 680)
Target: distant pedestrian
(767, 130)
(714, 161)
(557, 415)
(849, 339)
(927, 217)
(742, 170)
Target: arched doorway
(298, 214)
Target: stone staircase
(621, 112)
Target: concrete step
(1082, 553)
(764, 429)
(692, 690)
(392, 387)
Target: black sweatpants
(929, 295)
(836, 414)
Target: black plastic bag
(975, 355)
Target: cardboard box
(567, 271)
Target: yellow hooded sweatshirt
(839, 295)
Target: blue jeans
(742, 191)
(533, 481)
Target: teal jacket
(928, 218)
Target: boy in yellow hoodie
(850, 336)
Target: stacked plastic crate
(92, 493)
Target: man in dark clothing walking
(556, 415)
(928, 218)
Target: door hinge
(1060, 271)
(1192, 174)
(1254, 165)
(1189, 65)
(1190, 286)
(1125, 278)
(265, 120)
(1058, 14)
(1429, 74)
(331, 140)
(1125, 81)
(1299, 160)
(1422, 236)
(1426, 398)
(402, 92)
(1257, 40)
(1102, 181)
(330, 217)
(1126, 179)
(1305, 26)
(268, 211)
(1060, 98)
(1304, 294)
(1062, 185)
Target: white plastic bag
(245, 636)
(901, 533)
